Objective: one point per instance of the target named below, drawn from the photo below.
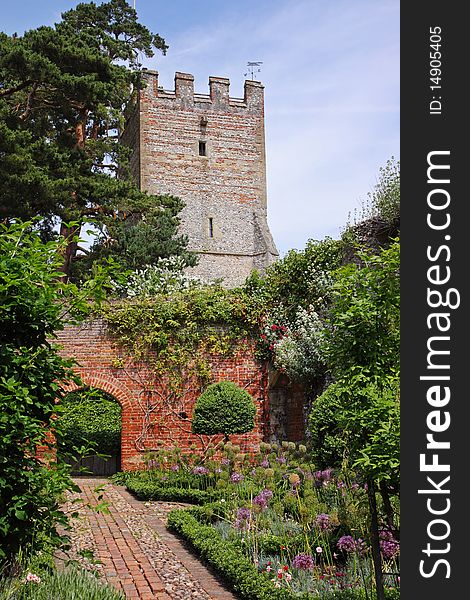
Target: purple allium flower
(241, 524)
(323, 521)
(243, 513)
(355, 486)
(389, 546)
(265, 463)
(281, 460)
(303, 561)
(260, 501)
(200, 470)
(262, 498)
(236, 477)
(175, 467)
(225, 461)
(348, 544)
(218, 470)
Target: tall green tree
(63, 93)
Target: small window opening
(211, 227)
(202, 148)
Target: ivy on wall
(177, 333)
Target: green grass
(71, 584)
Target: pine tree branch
(16, 88)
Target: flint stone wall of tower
(224, 190)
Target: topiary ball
(223, 408)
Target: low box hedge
(236, 569)
(148, 490)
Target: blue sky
(331, 73)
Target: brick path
(126, 561)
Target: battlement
(217, 98)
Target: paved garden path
(132, 549)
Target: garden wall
(152, 415)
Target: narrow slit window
(211, 227)
(202, 149)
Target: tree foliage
(62, 95)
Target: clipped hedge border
(145, 490)
(237, 570)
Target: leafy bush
(91, 416)
(224, 408)
(327, 441)
(58, 585)
(31, 371)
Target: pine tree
(63, 93)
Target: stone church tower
(208, 150)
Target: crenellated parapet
(218, 96)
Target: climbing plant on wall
(176, 335)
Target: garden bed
(270, 524)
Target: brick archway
(106, 384)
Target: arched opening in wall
(91, 418)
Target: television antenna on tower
(253, 68)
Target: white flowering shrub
(164, 277)
(300, 352)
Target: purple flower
(218, 470)
(200, 470)
(243, 513)
(175, 467)
(303, 561)
(265, 463)
(389, 546)
(262, 499)
(236, 477)
(281, 460)
(323, 521)
(348, 544)
(241, 524)
(225, 461)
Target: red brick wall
(150, 416)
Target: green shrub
(59, 585)
(224, 408)
(90, 415)
(147, 490)
(32, 301)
